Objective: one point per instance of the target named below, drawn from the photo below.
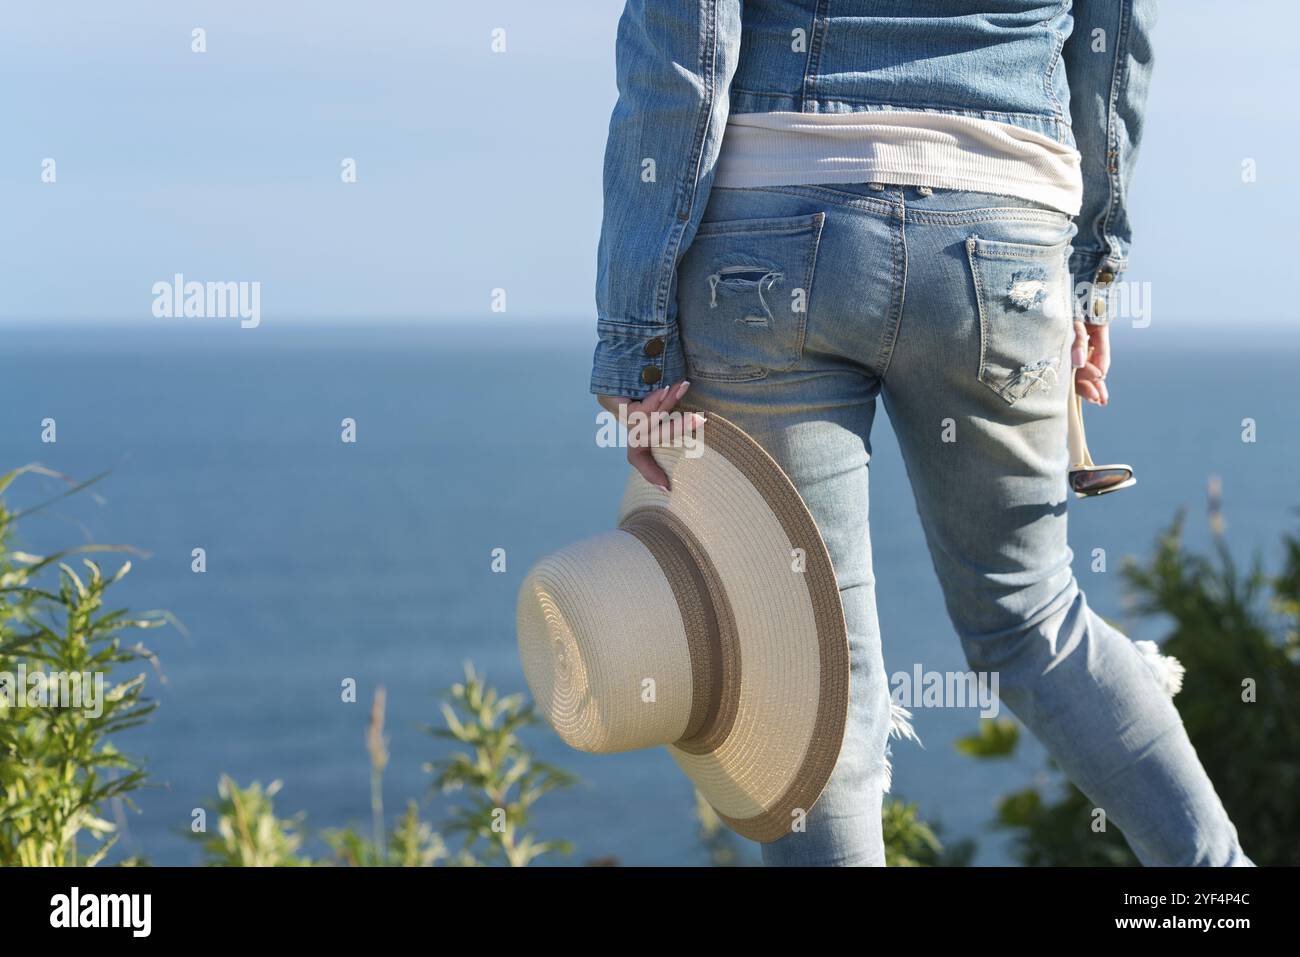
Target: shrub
(59, 771)
(501, 779)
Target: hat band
(712, 638)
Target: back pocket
(1023, 294)
(744, 288)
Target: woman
(812, 204)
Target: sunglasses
(1087, 479)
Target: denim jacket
(1074, 70)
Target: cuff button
(654, 347)
(650, 375)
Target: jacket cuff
(635, 358)
(1094, 275)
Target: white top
(942, 150)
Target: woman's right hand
(642, 440)
(1091, 359)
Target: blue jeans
(798, 307)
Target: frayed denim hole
(742, 277)
(743, 274)
(1040, 375)
(1028, 288)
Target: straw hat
(709, 622)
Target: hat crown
(603, 647)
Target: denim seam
(810, 276)
(1044, 118)
(1014, 252)
(636, 330)
(792, 225)
(874, 173)
(971, 242)
(898, 250)
(690, 187)
(1057, 45)
(864, 203)
(889, 209)
(1057, 48)
(820, 24)
(938, 217)
(750, 373)
(1112, 134)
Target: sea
(372, 561)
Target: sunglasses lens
(1099, 480)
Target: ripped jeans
(799, 306)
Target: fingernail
(681, 389)
(1078, 357)
(662, 488)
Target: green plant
(996, 738)
(500, 775)
(248, 832)
(1235, 632)
(413, 842)
(58, 769)
(503, 780)
(909, 841)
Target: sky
(479, 170)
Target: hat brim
(788, 709)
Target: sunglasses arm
(1078, 443)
